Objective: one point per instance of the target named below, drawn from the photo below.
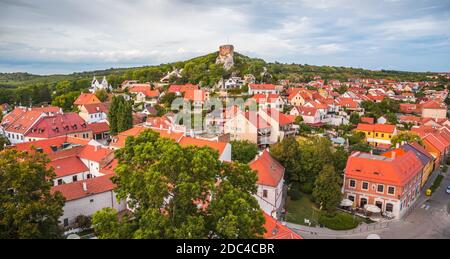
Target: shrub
(338, 221)
(444, 168)
(83, 222)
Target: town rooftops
(182, 88)
(256, 120)
(99, 127)
(215, 145)
(75, 190)
(384, 128)
(95, 153)
(270, 171)
(23, 122)
(144, 89)
(86, 98)
(434, 105)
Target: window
(363, 202)
(91, 200)
(382, 135)
(376, 134)
(365, 186)
(352, 183)
(391, 190)
(89, 176)
(66, 222)
(380, 188)
(389, 207)
(265, 194)
(351, 197)
(75, 178)
(60, 181)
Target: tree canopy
(120, 115)
(243, 151)
(407, 137)
(28, 209)
(181, 192)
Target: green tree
(181, 192)
(28, 208)
(120, 115)
(288, 153)
(407, 137)
(102, 95)
(243, 151)
(3, 141)
(354, 118)
(65, 101)
(327, 189)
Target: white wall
(87, 206)
(274, 197)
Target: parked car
(448, 189)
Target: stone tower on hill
(226, 56)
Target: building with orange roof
(310, 115)
(268, 101)
(223, 148)
(95, 112)
(180, 89)
(86, 98)
(282, 125)
(87, 197)
(377, 134)
(367, 120)
(434, 109)
(276, 230)
(270, 183)
(249, 126)
(262, 89)
(15, 127)
(391, 182)
(144, 94)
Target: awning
(372, 208)
(346, 203)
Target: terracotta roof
(270, 171)
(382, 169)
(97, 108)
(86, 98)
(182, 88)
(195, 95)
(145, 89)
(385, 128)
(119, 140)
(74, 191)
(24, 122)
(46, 144)
(58, 125)
(68, 166)
(307, 111)
(95, 153)
(263, 98)
(434, 105)
(215, 145)
(368, 120)
(281, 118)
(257, 121)
(275, 230)
(262, 86)
(109, 168)
(99, 127)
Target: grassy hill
(28, 88)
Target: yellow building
(378, 134)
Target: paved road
(429, 219)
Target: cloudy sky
(64, 36)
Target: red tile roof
(74, 191)
(256, 120)
(95, 153)
(381, 169)
(195, 95)
(99, 127)
(262, 86)
(58, 125)
(275, 230)
(281, 118)
(24, 122)
(46, 144)
(270, 171)
(368, 120)
(145, 89)
(97, 108)
(182, 88)
(434, 105)
(86, 98)
(385, 128)
(68, 166)
(215, 145)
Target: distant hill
(25, 88)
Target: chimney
(96, 148)
(84, 186)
